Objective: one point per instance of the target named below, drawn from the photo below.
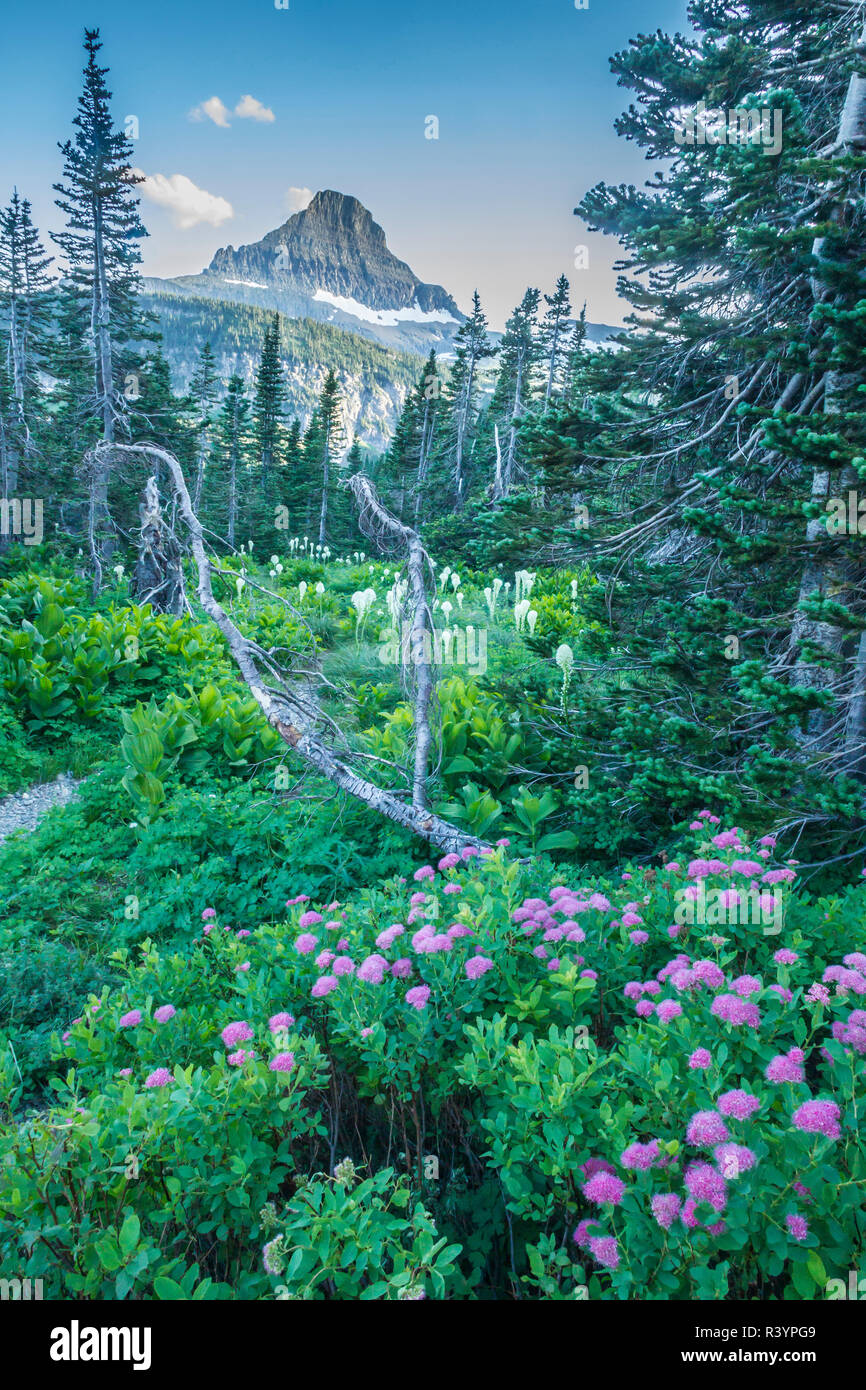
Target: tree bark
(828, 571)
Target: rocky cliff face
(331, 262)
(334, 246)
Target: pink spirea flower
(208, 913)
(700, 1059)
(732, 1009)
(418, 996)
(365, 1032)
(426, 871)
(125, 1071)
(581, 1233)
(449, 861)
(818, 1117)
(309, 919)
(738, 1105)
(284, 1061)
(324, 985)
(818, 994)
(236, 1032)
(786, 957)
(706, 1127)
(161, 1077)
(477, 966)
(798, 1226)
(599, 902)
(645, 1008)
(278, 1023)
(638, 938)
(709, 973)
(164, 1013)
(242, 934)
(458, 929)
(596, 1165)
(784, 1068)
(705, 1184)
(386, 938)
(306, 943)
(744, 985)
(343, 965)
(452, 888)
(301, 898)
(402, 968)
(372, 970)
(130, 1020)
(631, 919)
(640, 1156)
(244, 966)
(665, 1209)
(605, 1250)
(667, 1010)
(237, 1059)
(734, 1159)
(604, 1189)
(323, 959)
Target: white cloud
(248, 108)
(297, 199)
(214, 109)
(188, 204)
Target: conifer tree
(554, 336)
(269, 405)
(25, 299)
(330, 440)
(519, 355)
(471, 347)
(228, 473)
(203, 394)
(100, 245)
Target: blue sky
(522, 91)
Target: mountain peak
(335, 254)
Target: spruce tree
(24, 294)
(471, 347)
(203, 394)
(519, 355)
(555, 335)
(269, 405)
(716, 450)
(225, 491)
(329, 443)
(100, 245)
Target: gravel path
(24, 810)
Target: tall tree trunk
(828, 571)
(463, 429)
(233, 496)
(323, 514)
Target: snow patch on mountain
(385, 318)
(254, 284)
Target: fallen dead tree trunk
(282, 709)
